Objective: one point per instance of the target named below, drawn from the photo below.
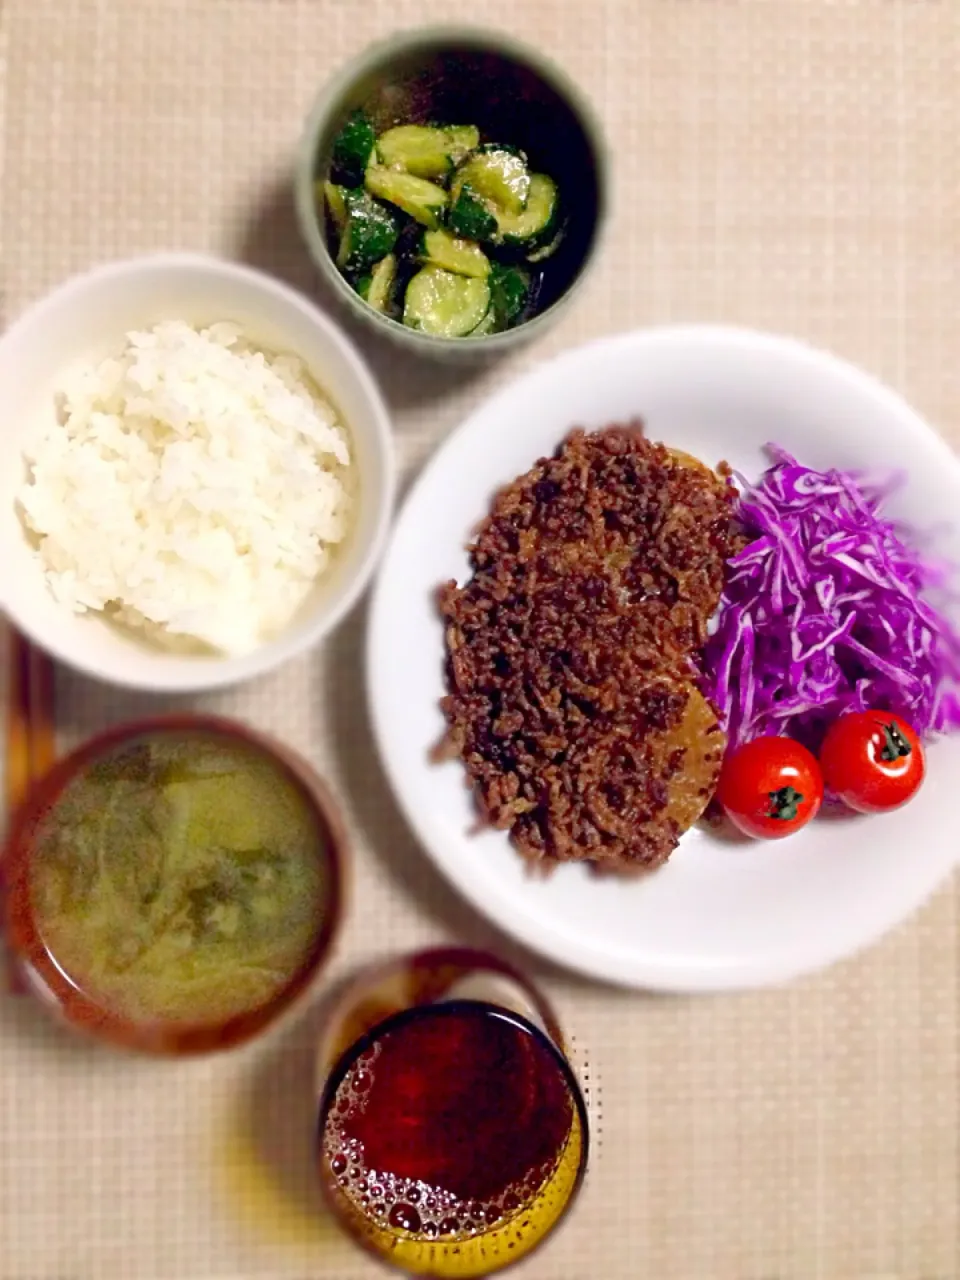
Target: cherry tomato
(872, 760)
(770, 787)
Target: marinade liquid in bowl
(180, 881)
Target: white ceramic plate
(718, 915)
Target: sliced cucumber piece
(461, 140)
(423, 200)
(445, 304)
(548, 249)
(462, 256)
(426, 151)
(384, 277)
(369, 233)
(335, 199)
(537, 222)
(416, 149)
(495, 174)
(509, 293)
(471, 218)
(352, 147)
(487, 325)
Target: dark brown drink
(453, 1137)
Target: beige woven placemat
(793, 164)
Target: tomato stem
(785, 804)
(895, 745)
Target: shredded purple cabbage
(826, 610)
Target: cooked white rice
(194, 486)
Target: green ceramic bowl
(514, 95)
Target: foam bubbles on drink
(406, 1205)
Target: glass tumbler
(453, 1132)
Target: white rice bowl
(193, 488)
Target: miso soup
(181, 878)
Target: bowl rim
(467, 36)
(50, 985)
(215, 672)
(350, 1008)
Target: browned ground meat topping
(569, 651)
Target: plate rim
(677, 976)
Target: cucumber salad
(438, 229)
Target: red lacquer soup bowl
(175, 885)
